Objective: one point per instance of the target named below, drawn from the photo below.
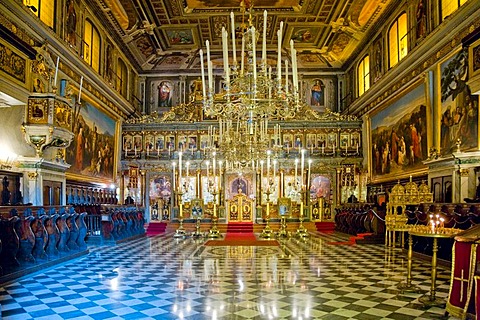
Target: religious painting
(273, 184)
(70, 25)
(149, 142)
(344, 138)
(159, 142)
(170, 142)
(321, 140)
(310, 140)
(317, 96)
(355, 140)
(288, 140)
(236, 183)
(298, 141)
(421, 17)
(459, 108)
(160, 196)
(303, 34)
(204, 141)
(320, 187)
(182, 142)
(92, 152)
(292, 189)
(192, 143)
(127, 143)
(332, 140)
(165, 94)
(137, 143)
(399, 135)
(182, 36)
(377, 59)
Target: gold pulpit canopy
(48, 122)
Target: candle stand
(197, 233)
(180, 232)
(282, 232)
(267, 232)
(214, 233)
(302, 231)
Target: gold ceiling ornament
(251, 96)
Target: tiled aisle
(163, 278)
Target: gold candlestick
(214, 233)
(180, 232)
(267, 232)
(302, 231)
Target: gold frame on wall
(382, 107)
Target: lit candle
(173, 174)
(225, 56)
(286, 76)
(357, 147)
(274, 170)
(80, 90)
(179, 168)
(214, 165)
(296, 170)
(264, 42)
(135, 147)
(56, 72)
(254, 65)
(158, 151)
(209, 67)
(188, 168)
(234, 46)
(242, 56)
(208, 171)
(302, 166)
(279, 58)
(268, 164)
(204, 91)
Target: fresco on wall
(459, 108)
(180, 36)
(162, 92)
(317, 98)
(399, 135)
(92, 151)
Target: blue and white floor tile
(164, 278)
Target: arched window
(122, 77)
(363, 73)
(397, 40)
(447, 7)
(44, 9)
(91, 46)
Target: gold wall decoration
(13, 64)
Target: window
(91, 46)
(363, 75)
(448, 7)
(397, 40)
(122, 78)
(44, 9)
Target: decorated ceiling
(166, 35)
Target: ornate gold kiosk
(395, 218)
(240, 208)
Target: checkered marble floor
(166, 278)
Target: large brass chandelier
(251, 96)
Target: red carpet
(245, 227)
(351, 242)
(325, 226)
(155, 228)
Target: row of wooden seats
(115, 222)
(30, 235)
(357, 219)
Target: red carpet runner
(241, 234)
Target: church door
(240, 209)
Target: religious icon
(160, 142)
(318, 97)
(164, 94)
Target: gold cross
(461, 279)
